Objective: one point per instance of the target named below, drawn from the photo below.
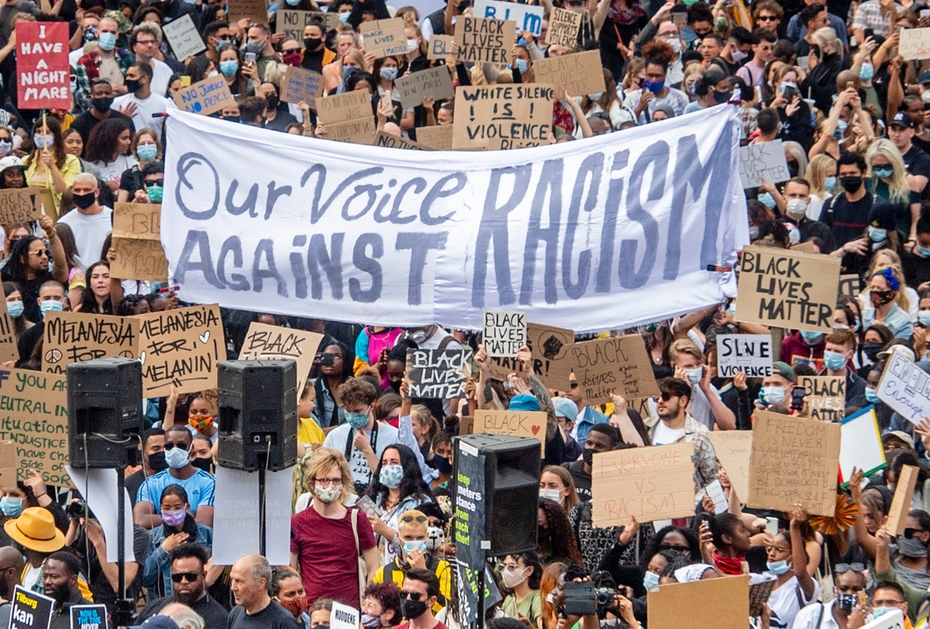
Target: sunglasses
(413, 596)
(172, 446)
(39, 252)
(909, 533)
(155, 182)
(840, 568)
(667, 395)
(767, 18)
(178, 577)
(287, 52)
(411, 518)
(681, 549)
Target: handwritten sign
(527, 17)
(794, 460)
(8, 349)
(530, 424)
(579, 74)
(88, 616)
(748, 353)
(251, 10)
(137, 241)
(437, 373)
(9, 465)
(268, 342)
(763, 161)
(789, 289)
(496, 117)
(901, 502)
(552, 361)
(733, 449)
(649, 484)
(861, 445)
(30, 609)
(42, 72)
(825, 396)
(20, 205)
(34, 416)
(180, 347)
(343, 617)
(440, 47)
(76, 337)
(301, 85)
(563, 27)
(384, 38)
(849, 286)
(914, 43)
(438, 137)
(617, 363)
(396, 142)
(504, 333)
(293, 23)
(347, 117)
(905, 387)
(205, 97)
(183, 36)
(722, 603)
(484, 40)
(434, 83)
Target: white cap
(11, 161)
(903, 350)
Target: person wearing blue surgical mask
(12, 503)
(656, 91)
(794, 588)
(888, 597)
(777, 388)
(805, 347)
(15, 306)
(706, 406)
(839, 347)
(888, 178)
(145, 147)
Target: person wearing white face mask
(797, 198)
(706, 406)
(777, 388)
(556, 484)
(521, 574)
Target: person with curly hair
(555, 538)
(381, 606)
(654, 92)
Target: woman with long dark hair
(49, 167)
(76, 279)
(108, 150)
(14, 305)
(102, 290)
(331, 368)
(28, 267)
(555, 538)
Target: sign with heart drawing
(516, 423)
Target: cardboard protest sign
(76, 337)
(344, 617)
(914, 43)
(31, 610)
(9, 465)
(432, 82)
(137, 220)
(901, 502)
(794, 460)
(396, 142)
(527, 17)
(722, 603)
(8, 349)
(438, 137)
(530, 424)
(495, 117)
(347, 117)
(437, 373)
(384, 38)
(618, 363)
(734, 449)
(301, 85)
(649, 484)
(850, 286)
(825, 396)
(137, 241)
(504, 333)
(484, 40)
(180, 347)
(551, 347)
(905, 387)
(20, 205)
(563, 27)
(252, 10)
(578, 74)
(787, 289)
(861, 445)
(439, 47)
(292, 23)
(34, 416)
(88, 616)
(183, 36)
(749, 353)
(205, 97)
(43, 75)
(268, 342)
(762, 161)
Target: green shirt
(529, 607)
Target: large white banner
(603, 233)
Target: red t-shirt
(327, 555)
(406, 625)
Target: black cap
(882, 215)
(902, 120)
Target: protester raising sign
(748, 353)
(494, 117)
(526, 17)
(722, 603)
(301, 85)
(504, 333)
(483, 40)
(432, 83)
(137, 242)
(734, 449)
(347, 117)
(88, 616)
(437, 373)
(75, 337)
(763, 161)
(914, 44)
(183, 36)
(30, 609)
(530, 424)
(42, 71)
(384, 38)
(905, 387)
(20, 205)
(579, 73)
(825, 396)
(616, 364)
(861, 445)
(563, 27)
(788, 289)
(438, 137)
(205, 97)
(268, 342)
(440, 47)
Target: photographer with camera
(591, 606)
(332, 366)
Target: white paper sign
(99, 491)
(716, 493)
(528, 17)
(183, 36)
(905, 388)
(749, 353)
(504, 333)
(763, 161)
(889, 620)
(861, 444)
(343, 617)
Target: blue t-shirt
(199, 488)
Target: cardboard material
(9, 464)
(552, 359)
(649, 484)
(8, 349)
(252, 10)
(794, 460)
(437, 373)
(825, 396)
(347, 117)
(905, 388)
(914, 43)
(205, 97)
(139, 260)
(504, 333)
(183, 36)
(722, 603)
(31, 610)
(748, 353)
(180, 347)
(270, 342)
(432, 82)
(75, 337)
(43, 74)
(901, 502)
(439, 47)
(484, 40)
(579, 74)
(137, 220)
(301, 85)
(384, 38)
(359, 131)
(396, 142)
(563, 27)
(292, 23)
(20, 205)
(618, 363)
(435, 137)
(861, 445)
(527, 17)
(788, 289)
(496, 117)
(734, 449)
(850, 286)
(530, 424)
(763, 161)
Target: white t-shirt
(784, 603)
(142, 119)
(161, 77)
(700, 406)
(113, 171)
(807, 618)
(361, 473)
(90, 232)
(664, 435)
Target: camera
(579, 598)
(605, 601)
(76, 509)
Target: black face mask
(442, 465)
(871, 349)
(132, 85)
(721, 97)
(587, 455)
(412, 609)
(84, 201)
(237, 119)
(157, 462)
(272, 101)
(312, 43)
(101, 104)
(851, 184)
(203, 464)
(793, 168)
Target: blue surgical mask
(834, 361)
(229, 67)
(883, 171)
(923, 317)
(871, 396)
(391, 475)
(50, 305)
(356, 420)
(344, 17)
(417, 544)
(812, 338)
(11, 506)
(829, 183)
(773, 395)
(654, 86)
(866, 72)
(15, 308)
(147, 152)
(650, 579)
(695, 375)
(777, 567)
(292, 3)
(521, 65)
(767, 200)
(388, 74)
(107, 41)
(877, 234)
(155, 193)
(878, 612)
(923, 251)
(177, 458)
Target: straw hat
(35, 529)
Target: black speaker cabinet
(258, 413)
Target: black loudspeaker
(258, 414)
(104, 413)
(511, 490)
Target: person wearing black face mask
(847, 213)
(845, 610)
(315, 54)
(277, 116)
(153, 460)
(420, 592)
(601, 438)
(101, 99)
